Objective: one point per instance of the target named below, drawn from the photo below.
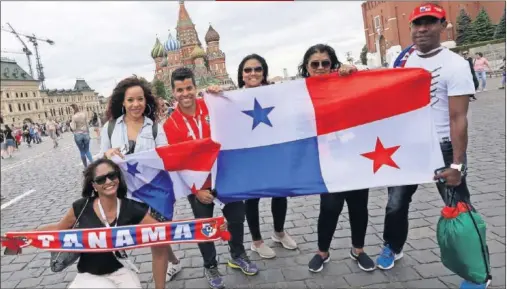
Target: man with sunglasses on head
(451, 86)
(190, 121)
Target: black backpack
(111, 124)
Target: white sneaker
(286, 241)
(264, 251)
(172, 270)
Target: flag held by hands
(325, 134)
(160, 176)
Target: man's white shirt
(451, 76)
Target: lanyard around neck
(103, 214)
(198, 123)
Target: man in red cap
(451, 86)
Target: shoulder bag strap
(79, 216)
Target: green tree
(482, 27)
(464, 29)
(500, 28)
(159, 88)
(362, 56)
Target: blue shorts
(10, 143)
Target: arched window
(36, 105)
(34, 95)
(10, 107)
(8, 95)
(19, 107)
(28, 106)
(24, 106)
(16, 95)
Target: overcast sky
(104, 42)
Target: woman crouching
(104, 204)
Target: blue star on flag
(259, 114)
(132, 169)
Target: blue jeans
(83, 144)
(503, 79)
(481, 76)
(399, 198)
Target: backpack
(111, 124)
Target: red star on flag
(382, 156)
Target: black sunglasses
(317, 64)
(112, 176)
(250, 69)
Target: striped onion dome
(158, 50)
(171, 44)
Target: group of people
(138, 121)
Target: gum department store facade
(22, 100)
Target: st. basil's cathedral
(187, 51)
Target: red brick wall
(394, 18)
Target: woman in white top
(130, 128)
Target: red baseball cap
(427, 10)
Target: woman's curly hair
(115, 104)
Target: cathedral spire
(183, 17)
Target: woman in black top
(321, 59)
(10, 142)
(104, 187)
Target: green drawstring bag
(461, 235)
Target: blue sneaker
(244, 264)
(470, 285)
(385, 260)
(214, 278)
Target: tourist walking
(190, 121)
(480, 66)
(9, 140)
(451, 88)
(79, 126)
(26, 133)
(131, 128)
(51, 130)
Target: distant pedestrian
(51, 130)
(9, 140)
(80, 129)
(480, 65)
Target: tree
(464, 29)
(482, 27)
(159, 88)
(500, 28)
(362, 56)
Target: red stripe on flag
(367, 96)
(195, 155)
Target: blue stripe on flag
(287, 169)
(158, 194)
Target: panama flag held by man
(325, 134)
(160, 176)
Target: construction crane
(26, 51)
(34, 39)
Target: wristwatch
(462, 168)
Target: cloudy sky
(104, 42)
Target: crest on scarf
(209, 229)
(207, 119)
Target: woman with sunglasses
(132, 128)
(104, 204)
(321, 59)
(253, 72)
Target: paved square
(54, 175)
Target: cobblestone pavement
(54, 175)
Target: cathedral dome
(158, 50)
(211, 35)
(171, 44)
(198, 52)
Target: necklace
(429, 52)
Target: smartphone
(438, 171)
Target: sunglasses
(250, 69)
(323, 64)
(112, 176)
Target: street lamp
(449, 31)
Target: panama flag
(160, 176)
(325, 134)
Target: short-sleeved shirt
(451, 76)
(131, 213)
